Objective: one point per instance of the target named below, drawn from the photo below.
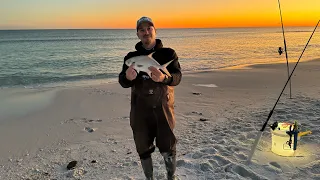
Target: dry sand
(43, 130)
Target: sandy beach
(219, 114)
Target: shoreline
(96, 82)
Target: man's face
(146, 33)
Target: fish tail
(164, 68)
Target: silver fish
(143, 62)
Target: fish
(143, 62)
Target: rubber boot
(147, 168)
(171, 163)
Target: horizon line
(134, 28)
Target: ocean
(49, 58)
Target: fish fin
(164, 68)
(150, 55)
(166, 71)
(166, 64)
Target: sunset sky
(87, 14)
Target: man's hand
(156, 74)
(131, 74)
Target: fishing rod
(255, 144)
(285, 44)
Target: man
(152, 100)
(280, 51)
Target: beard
(147, 40)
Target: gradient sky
(57, 14)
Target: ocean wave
(23, 80)
(63, 40)
(294, 31)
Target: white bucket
(279, 140)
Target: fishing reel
(293, 131)
(274, 125)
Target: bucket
(279, 140)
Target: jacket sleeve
(123, 81)
(175, 71)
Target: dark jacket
(162, 55)
(143, 87)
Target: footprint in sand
(242, 171)
(274, 167)
(213, 163)
(234, 148)
(275, 164)
(241, 156)
(197, 155)
(221, 160)
(206, 167)
(208, 151)
(184, 163)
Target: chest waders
(152, 119)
